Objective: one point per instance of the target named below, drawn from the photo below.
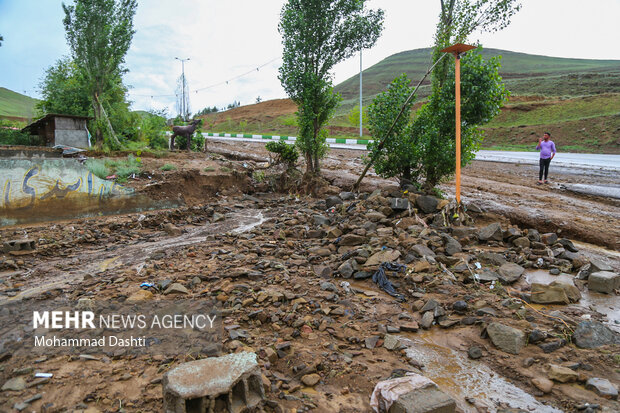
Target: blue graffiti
(61, 193)
(28, 189)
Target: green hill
(524, 74)
(14, 105)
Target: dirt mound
(192, 188)
(257, 112)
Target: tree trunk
(103, 115)
(98, 132)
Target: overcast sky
(228, 38)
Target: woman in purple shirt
(547, 152)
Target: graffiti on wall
(36, 186)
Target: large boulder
(548, 294)
(381, 257)
(604, 281)
(562, 374)
(506, 338)
(416, 394)
(427, 203)
(602, 387)
(592, 334)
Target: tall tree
(318, 34)
(64, 90)
(99, 33)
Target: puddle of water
(462, 378)
(606, 304)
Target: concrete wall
(71, 137)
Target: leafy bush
(98, 168)
(354, 116)
(285, 153)
(10, 134)
(168, 167)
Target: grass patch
(225, 169)
(168, 167)
(209, 169)
(98, 168)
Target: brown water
(463, 378)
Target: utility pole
(361, 92)
(183, 86)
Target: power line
(256, 69)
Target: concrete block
(230, 383)
(604, 281)
(18, 245)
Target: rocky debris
(592, 334)
(521, 242)
(399, 204)
(15, 384)
(562, 374)
(412, 393)
(548, 294)
(176, 288)
(599, 265)
(474, 352)
(451, 246)
(381, 257)
(233, 380)
(332, 201)
(506, 338)
(604, 282)
(602, 387)
(391, 342)
(549, 238)
(311, 379)
(172, 230)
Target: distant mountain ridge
(523, 74)
(14, 105)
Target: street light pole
(457, 50)
(360, 92)
(183, 108)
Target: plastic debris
(147, 285)
(44, 375)
(346, 286)
(382, 281)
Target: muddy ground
(275, 270)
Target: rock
(419, 395)
(176, 288)
(427, 203)
(536, 336)
(423, 251)
(493, 258)
(571, 291)
(554, 271)
(567, 244)
(391, 342)
(138, 296)
(430, 305)
(15, 384)
(548, 294)
(170, 229)
(332, 201)
(460, 306)
(549, 238)
(422, 266)
(533, 235)
(508, 339)
(521, 242)
(348, 267)
(399, 204)
(451, 245)
(592, 334)
(543, 384)
(323, 271)
(474, 352)
(552, 346)
(352, 240)
(333, 232)
(375, 216)
(327, 286)
(599, 265)
(310, 380)
(382, 256)
(409, 327)
(347, 196)
(510, 272)
(562, 374)
(604, 282)
(602, 387)
(371, 342)
(487, 276)
(320, 220)
(427, 320)
(492, 232)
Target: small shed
(66, 130)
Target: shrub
(168, 167)
(98, 168)
(285, 153)
(10, 136)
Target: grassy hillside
(524, 74)
(16, 106)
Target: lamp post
(457, 50)
(360, 93)
(183, 108)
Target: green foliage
(258, 176)
(123, 169)
(168, 167)
(285, 153)
(354, 116)
(11, 136)
(318, 34)
(99, 33)
(425, 146)
(152, 129)
(396, 155)
(98, 168)
(15, 104)
(289, 120)
(64, 90)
